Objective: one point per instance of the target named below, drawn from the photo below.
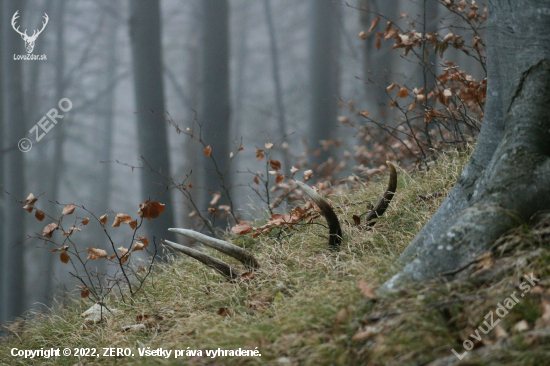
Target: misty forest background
(247, 73)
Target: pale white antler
(29, 41)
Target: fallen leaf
(208, 151)
(48, 230)
(366, 289)
(223, 311)
(500, 332)
(342, 315)
(485, 261)
(64, 257)
(39, 214)
(68, 209)
(521, 326)
(356, 220)
(364, 335)
(133, 328)
(103, 219)
(94, 253)
(242, 228)
(85, 221)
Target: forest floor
(312, 306)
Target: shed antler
(222, 246)
(334, 230)
(385, 200)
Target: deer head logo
(29, 41)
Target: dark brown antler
(334, 230)
(385, 200)
(221, 246)
(220, 266)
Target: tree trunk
(215, 110)
(323, 75)
(13, 164)
(145, 32)
(506, 180)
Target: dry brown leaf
(138, 246)
(68, 209)
(275, 164)
(85, 293)
(133, 224)
(366, 289)
(403, 93)
(259, 154)
(240, 148)
(268, 145)
(280, 178)
(48, 230)
(28, 208)
(362, 35)
(123, 255)
(215, 198)
(377, 44)
(242, 228)
(103, 219)
(64, 247)
(364, 335)
(64, 257)
(374, 24)
(365, 113)
(151, 210)
(85, 221)
(356, 220)
(223, 311)
(485, 261)
(121, 218)
(113, 256)
(30, 199)
(247, 276)
(412, 106)
(144, 240)
(95, 253)
(208, 151)
(256, 180)
(39, 214)
(293, 170)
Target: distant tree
(15, 128)
(215, 111)
(323, 74)
(145, 32)
(507, 180)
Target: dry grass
(304, 306)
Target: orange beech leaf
(190, 185)
(113, 256)
(256, 180)
(403, 93)
(242, 228)
(280, 178)
(28, 208)
(365, 113)
(207, 151)
(64, 257)
(39, 214)
(85, 221)
(144, 240)
(123, 255)
(103, 219)
(94, 253)
(412, 106)
(85, 292)
(138, 246)
(240, 148)
(151, 210)
(259, 154)
(64, 247)
(133, 224)
(275, 164)
(362, 35)
(374, 24)
(30, 199)
(121, 218)
(48, 230)
(68, 209)
(378, 44)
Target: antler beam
(334, 230)
(385, 200)
(220, 266)
(221, 246)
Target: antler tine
(385, 200)
(13, 21)
(335, 232)
(222, 246)
(225, 269)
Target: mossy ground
(305, 307)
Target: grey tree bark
(323, 74)
(507, 178)
(12, 275)
(215, 111)
(145, 33)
